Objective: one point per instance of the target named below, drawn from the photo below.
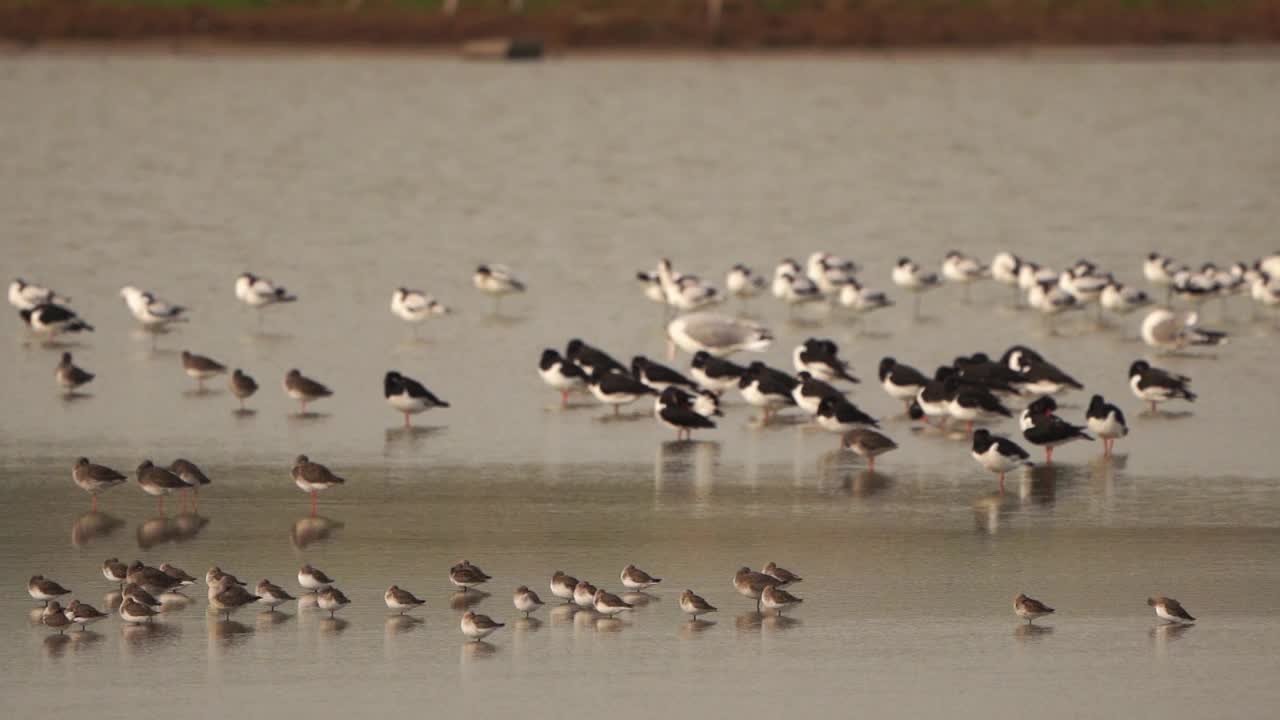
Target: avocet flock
(973, 390)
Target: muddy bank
(942, 23)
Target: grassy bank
(652, 23)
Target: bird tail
(79, 325)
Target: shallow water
(343, 178)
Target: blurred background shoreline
(641, 25)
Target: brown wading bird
(158, 482)
(1029, 608)
(201, 368)
(242, 386)
(313, 477)
(94, 479)
(304, 389)
(752, 584)
(868, 444)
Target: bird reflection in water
(1166, 633)
(270, 618)
(333, 625)
(113, 599)
(526, 625)
(562, 614)
(84, 640)
(92, 526)
(56, 645)
(1039, 485)
(748, 621)
(1031, 631)
(173, 601)
(227, 632)
(400, 624)
(681, 461)
(780, 622)
(841, 472)
(181, 528)
(147, 636)
(477, 651)
(990, 510)
(413, 435)
(610, 624)
(693, 628)
(640, 599)
(464, 599)
(310, 530)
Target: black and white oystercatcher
(820, 358)
(767, 389)
(52, 320)
(408, 396)
(902, 382)
(1041, 427)
(658, 376)
(674, 408)
(713, 373)
(617, 389)
(998, 454)
(1106, 421)
(560, 374)
(1155, 386)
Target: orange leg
(1048, 455)
(564, 398)
(313, 502)
(406, 421)
(1001, 483)
(93, 507)
(871, 464)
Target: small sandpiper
(44, 590)
(115, 571)
(694, 605)
(467, 576)
(158, 482)
(226, 597)
(153, 579)
(190, 474)
(271, 595)
(137, 593)
(242, 386)
(304, 389)
(526, 600)
(95, 479)
(633, 578)
(134, 612)
(332, 600)
(776, 599)
(1029, 608)
(609, 604)
(562, 586)
(184, 579)
(201, 368)
(478, 627)
(69, 376)
(401, 600)
(312, 478)
(751, 584)
(313, 579)
(584, 594)
(54, 616)
(785, 577)
(214, 574)
(83, 614)
(1170, 610)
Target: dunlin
(184, 579)
(272, 595)
(137, 593)
(467, 576)
(153, 579)
(313, 579)
(1170, 610)
(695, 605)
(44, 590)
(784, 576)
(332, 600)
(776, 599)
(478, 627)
(83, 614)
(54, 617)
(226, 597)
(584, 594)
(526, 600)
(215, 574)
(633, 578)
(115, 571)
(401, 600)
(609, 604)
(562, 586)
(751, 584)
(1029, 608)
(134, 612)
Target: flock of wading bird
(972, 389)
